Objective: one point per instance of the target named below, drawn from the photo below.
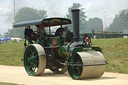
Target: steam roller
(62, 51)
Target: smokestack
(75, 20)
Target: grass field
(115, 52)
(11, 53)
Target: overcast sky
(59, 8)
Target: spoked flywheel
(89, 64)
(34, 59)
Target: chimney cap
(75, 10)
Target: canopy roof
(46, 22)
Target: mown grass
(11, 53)
(115, 52)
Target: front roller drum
(34, 60)
(89, 64)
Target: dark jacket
(27, 33)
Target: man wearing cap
(27, 34)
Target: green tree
(94, 23)
(26, 14)
(120, 22)
(18, 32)
(82, 16)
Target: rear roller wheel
(34, 60)
(86, 65)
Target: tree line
(120, 22)
(86, 26)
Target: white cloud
(93, 8)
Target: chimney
(75, 20)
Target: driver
(27, 34)
(40, 29)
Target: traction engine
(63, 51)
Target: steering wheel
(59, 31)
(34, 35)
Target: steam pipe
(75, 20)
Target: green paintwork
(97, 49)
(31, 60)
(62, 51)
(75, 71)
(39, 41)
(64, 35)
(54, 41)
